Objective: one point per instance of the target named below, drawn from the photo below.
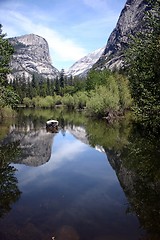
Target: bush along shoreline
(105, 95)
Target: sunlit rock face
(82, 66)
(129, 23)
(31, 56)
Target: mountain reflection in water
(87, 181)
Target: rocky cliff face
(129, 23)
(31, 56)
(82, 66)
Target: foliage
(111, 93)
(80, 99)
(125, 99)
(75, 101)
(69, 89)
(96, 78)
(37, 86)
(68, 101)
(61, 79)
(102, 100)
(43, 102)
(58, 99)
(142, 61)
(6, 51)
(101, 93)
(79, 84)
(27, 102)
(7, 96)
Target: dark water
(86, 181)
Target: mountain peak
(31, 56)
(129, 23)
(83, 65)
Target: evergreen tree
(7, 96)
(52, 87)
(70, 80)
(6, 51)
(57, 86)
(142, 61)
(48, 93)
(61, 80)
(34, 86)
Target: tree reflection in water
(9, 192)
(134, 154)
(142, 159)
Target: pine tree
(6, 51)
(57, 86)
(61, 80)
(7, 96)
(142, 60)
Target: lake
(89, 180)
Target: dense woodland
(101, 93)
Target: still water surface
(77, 183)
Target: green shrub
(36, 101)
(27, 102)
(80, 99)
(57, 99)
(126, 100)
(50, 101)
(96, 78)
(68, 101)
(102, 100)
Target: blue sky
(72, 28)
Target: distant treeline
(40, 86)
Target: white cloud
(62, 48)
(66, 49)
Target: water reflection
(34, 145)
(9, 192)
(73, 191)
(141, 159)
